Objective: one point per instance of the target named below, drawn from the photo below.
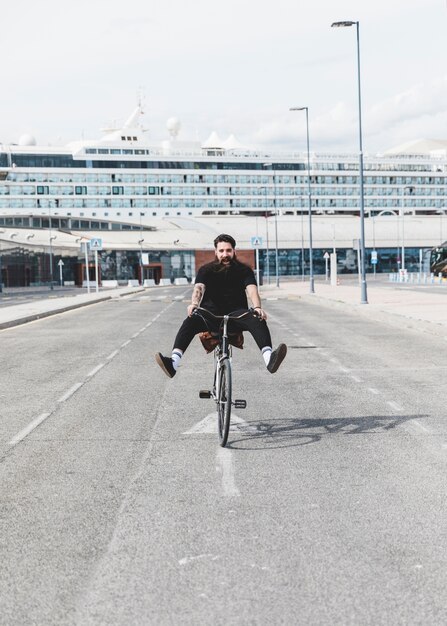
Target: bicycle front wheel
(224, 402)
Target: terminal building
(157, 208)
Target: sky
(233, 66)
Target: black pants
(197, 324)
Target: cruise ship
(157, 208)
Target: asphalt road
(118, 506)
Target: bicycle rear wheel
(224, 402)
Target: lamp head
(343, 24)
(298, 109)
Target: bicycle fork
(219, 357)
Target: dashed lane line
(70, 392)
(394, 405)
(96, 369)
(28, 429)
(21, 435)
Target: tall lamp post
(364, 297)
(270, 165)
(140, 241)
(410, 190)
(1, 273)
(309, 196)
(267, 235)
(51, 248)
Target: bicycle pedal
(204, 393)
(240, 404)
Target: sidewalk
(17, 314)
(415, 308)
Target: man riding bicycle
(222, 287)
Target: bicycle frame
(221, 352)
(221, 392)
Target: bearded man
(222, 287)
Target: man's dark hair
(226, 238)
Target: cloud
(414, 113)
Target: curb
(37, 316)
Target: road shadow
(295, 431)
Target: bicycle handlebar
(229, 315)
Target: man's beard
(220, 266)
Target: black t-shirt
(225, 286)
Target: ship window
(91, 151)
(115, 151)
(85, 224)
(103, 151)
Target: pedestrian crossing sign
(256, 242)
(95, 244)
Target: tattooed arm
(196, 299)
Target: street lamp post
(270, 165)
(140, 241)
(364, 297)
(309, 196)
(51, 249)
(404, 189)
(267, 235)
(1, 273)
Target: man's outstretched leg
(188, 330)
(261, 334)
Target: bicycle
(222, 390)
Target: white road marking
(189, 559)
(28, 429)
(95, 370)
(343, 369)
(224, 459)
(70, 392)
(421, 426)
(126, 343)
(374, 391)
(208, 426)
(135, 335)
(394, 406)
(38, 420)
(356, 378)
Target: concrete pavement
(417, 307)
(17, 314)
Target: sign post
(326, 257)
(96, 244)
(87, 278)
(61, 265)
(374, 260)
(256, 243)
